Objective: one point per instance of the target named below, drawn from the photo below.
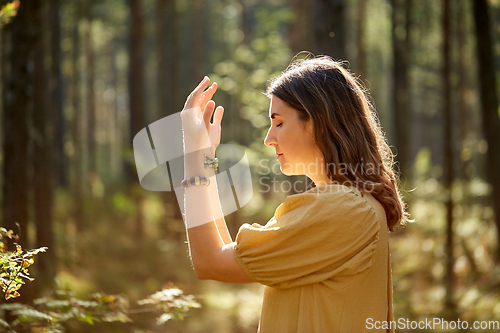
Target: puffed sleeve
(312, 237)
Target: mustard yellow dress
(324, 260)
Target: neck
(320, 178)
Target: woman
(324, 256)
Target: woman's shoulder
(334, 189)
(326, 194)
(327, 200)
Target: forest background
(80, 78)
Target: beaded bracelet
(196, 180)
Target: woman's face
(293, 141)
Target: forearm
(205, 236)
(217, 213)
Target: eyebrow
(274, 114)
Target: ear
(309, 126)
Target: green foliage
(8, 12)
(171, 302)
(50, 313)
(14, 265)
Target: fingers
(218, 115)
(207, 113)
(200, 96)
(201, 87)
(208, 94)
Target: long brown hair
(346, 128)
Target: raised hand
(199, 133)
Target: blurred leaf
(8, 12)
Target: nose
(270, 139)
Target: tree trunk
(5, 70)
(15, 128)
(244, 129)
(167, 42)
(463, 78)
(361, 39)
(89, 47)
(450, 305)
(301, 30)
(57, 95)
(164, 43)
(198, 42)
(18, 100)
(401, 92)
(43, 157)
(465, 123)
(136, 84)
(489, 104)
(168, 92)
(117, 135)
(76, 130)
(329, 17)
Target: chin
(286, 172)
(288, 169)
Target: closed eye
(279, 125)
